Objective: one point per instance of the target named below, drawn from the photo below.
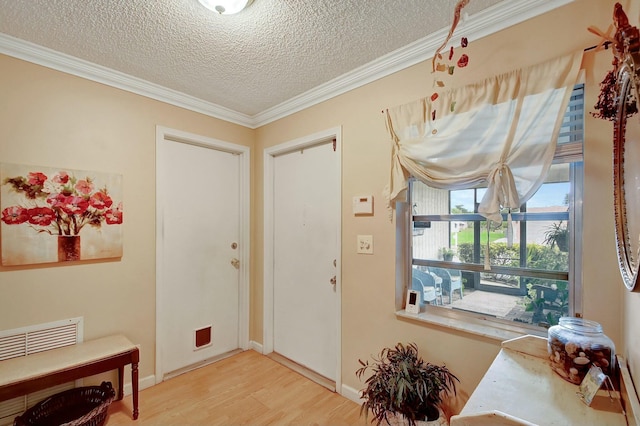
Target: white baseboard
(351, 393)
(145, 382)
(256, 346)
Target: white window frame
(569, 152)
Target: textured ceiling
(249, 62)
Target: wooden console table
(26, 374)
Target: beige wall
(50, 118)
(368, 283)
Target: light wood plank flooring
(245, 389)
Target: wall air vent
(30, 340)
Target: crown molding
(486, 22)
(58, 61)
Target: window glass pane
(547, 241)
(520, 299)
(430, 237)
(428, 242)
(462, 201)
(426, 200)
(446, 228)
(548, 245)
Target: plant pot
(400, 420)
(563, 244)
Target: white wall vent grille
(31, 340)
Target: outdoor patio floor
(494, 304)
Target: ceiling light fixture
(225, 7)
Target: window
(531, 281)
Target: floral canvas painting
(58, 215)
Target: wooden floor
(245, 389)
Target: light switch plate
(365, 244)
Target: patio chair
(451, 280)
(426, 284)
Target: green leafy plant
(548, 300)
(402, 383)
(557, 235)
(447, 253)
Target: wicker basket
(84, 406)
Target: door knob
(333, 280)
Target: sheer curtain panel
(500, 133)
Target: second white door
(306, 236)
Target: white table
(521, 389)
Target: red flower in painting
(15, 215)
(74, 205)
(114, 217)
(61, 178)
(100, 201)
(36, 178)
(84, 187)
(42, 216)
(56, 200)
(69, 204)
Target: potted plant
(557, 235)
(402, 384)
(447, 253)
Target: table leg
(120, 383)
(134, 386)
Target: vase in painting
(68, 248)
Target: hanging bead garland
(438, 65)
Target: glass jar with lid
(575, 344)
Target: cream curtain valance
(500, 133)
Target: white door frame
(269, 160)
(163, 134)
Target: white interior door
(306, 238)
(199, 300)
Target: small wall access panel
(363, 205)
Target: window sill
(479, 326)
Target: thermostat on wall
(363, 205)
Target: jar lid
(580, 324)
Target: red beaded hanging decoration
(462, 61)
